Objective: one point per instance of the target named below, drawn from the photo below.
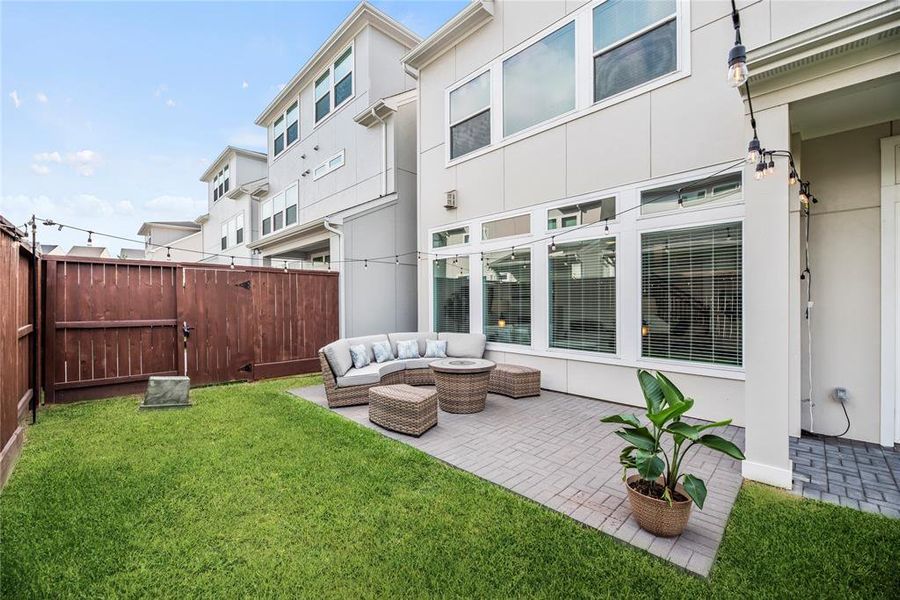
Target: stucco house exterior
(340, 185)
(584, 199)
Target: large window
(716, 189)
(691, 294)
(539, 82)
(232, 232)
(634, 42)
(509, 226)
(582, 277)
(286, 129)
(450, 237)
(278, 136)
(280, 210)
(583, 213)
(293, 126)
(470, 116)
(335, 85)
(451, 294)
(220, 183)
(507, 297)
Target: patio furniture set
(385, 372)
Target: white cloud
(244, 85)
(170, 103)
(124, 207)
(39, 169)
(41, 97)
(84, 162)
(160, 90)
(17, 102)
(48, 157)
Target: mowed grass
(255, 493)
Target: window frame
(329, 72)
(236, 219)
(270, 201)
(326, 164)
(451, 123)
(283, 114)
(584, 79)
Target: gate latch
(186, 330)
(248, 367)
(244, 284)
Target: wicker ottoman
(515, 381)
(403, 408)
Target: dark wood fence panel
(112, 324)
(17, 339)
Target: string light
(90, 238)
(606, 226)
(366, 264)
(232, 262)
(553, 244)
(680, 201)
(770, 168)
(396, 259)
(168, 253)
(285, 266)
(737, 56)
(513, 255)
(753, 149)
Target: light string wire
(389, 258)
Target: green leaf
(637, 437)
(670, 390)
(626, 459)
(653, 394)
(696, 489)
(684, 430)
(649, 465)
(624, 419)
(722, 445)
(672, 412)
(716, 424)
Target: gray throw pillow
(360, 356)
(435, 349)
(408, 349)
(383, 352)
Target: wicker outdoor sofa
(347, 386)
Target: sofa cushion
(436, 348)
(464, 345)
(360, 356)
(367, 341)
(419, 336)
(338, 356)
(417, 363)
(368, 375)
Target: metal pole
(35, 315)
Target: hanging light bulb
(168, 253)
(792, 178)
(285, 266)
(760, 170)
(606, 226)
(770, 168)
(456, 259)
(737, 56)
(90, 238)
(232, 262)
(804, 194)
(680, 202)
(553, 244)
(482, 257)
(60, 227)
(366, 264)
(513, 255)
(753, 150)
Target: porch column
(767, 280)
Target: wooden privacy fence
(111, 324)
(17, 338)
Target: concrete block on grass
(167, 392)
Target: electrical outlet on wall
(840, 394)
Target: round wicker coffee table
(462, 383)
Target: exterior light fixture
(770, 168)
(366, 264)
(760, 170)
(804, 194)
(792, 178)
(737, 56)
(753, 150)
(90, 238)
(553, 244)
(168, 253)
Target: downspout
(341, 277)
(383, 152)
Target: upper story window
(470, 116)
(335, 85)
(539, 81)
(583, 213)
(233, 232)
(450, 237)
(334, 162)
(278, 136)
(293, 123)
(221, 183)
(509, 226)
(286, 129)
(717, 189)
(634, 42)
(280, 210)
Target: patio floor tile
(554, 450)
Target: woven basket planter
(658, 516)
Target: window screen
(583, 296)
(691, 294)
(507, 297)
(451, 294)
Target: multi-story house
(586, 202)
(172, 240)
(235, 180)
(340, 191)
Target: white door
(890, 290)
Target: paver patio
(554, 450)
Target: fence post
(35, 320)
(49, 342)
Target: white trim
(775, 476)
(584, 77)
(890, 294)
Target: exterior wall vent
(450, 199)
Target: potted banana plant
(660, 493)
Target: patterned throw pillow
(360, 356)
(408, 349)
(383, 352)
(435, 348)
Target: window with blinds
(691, 294)
(507, 297)
(583, 296)
(451, 294)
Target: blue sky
(110, 112)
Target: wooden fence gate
(111, 324)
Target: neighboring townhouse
(133, 254)
(89, 251)
(341, 185)
(582, 201)
(52, 250)
(234, 181)
(172, 240)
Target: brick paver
(856, 474)
(554, 450)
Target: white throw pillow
(382, 351)
(360, 356)
(408, 349)
(435, 349)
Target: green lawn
(255, 493)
